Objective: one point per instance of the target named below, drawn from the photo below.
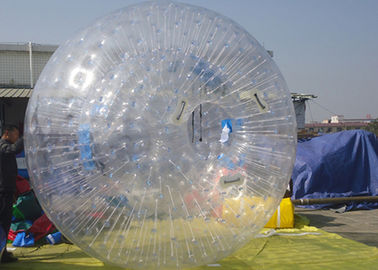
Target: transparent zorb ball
(162, 136)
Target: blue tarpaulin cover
(23, 239)
(341, 164)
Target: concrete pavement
(360, 225)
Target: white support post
(31, 65)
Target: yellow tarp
(303, 247)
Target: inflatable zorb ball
(162, 136)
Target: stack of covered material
(343, 164)
(29, 225)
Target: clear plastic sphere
(162, 136)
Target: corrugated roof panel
(28, 93)
(15, 93)
(18, 93)
(2, 90)
(25, 93)
(8, 93)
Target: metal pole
(335, 200)
(31, 65)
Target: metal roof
(15, 92)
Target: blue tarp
(341, 164)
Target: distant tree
(373, 127)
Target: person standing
(10, 145)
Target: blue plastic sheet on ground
(54, 238)
(341, 164)
(23, 239)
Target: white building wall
(39, 61)
(15, 64)
(14, 68)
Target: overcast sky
(323, 47)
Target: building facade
(338, 123)
(22, 63)
(334, 127)
(20, 67)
